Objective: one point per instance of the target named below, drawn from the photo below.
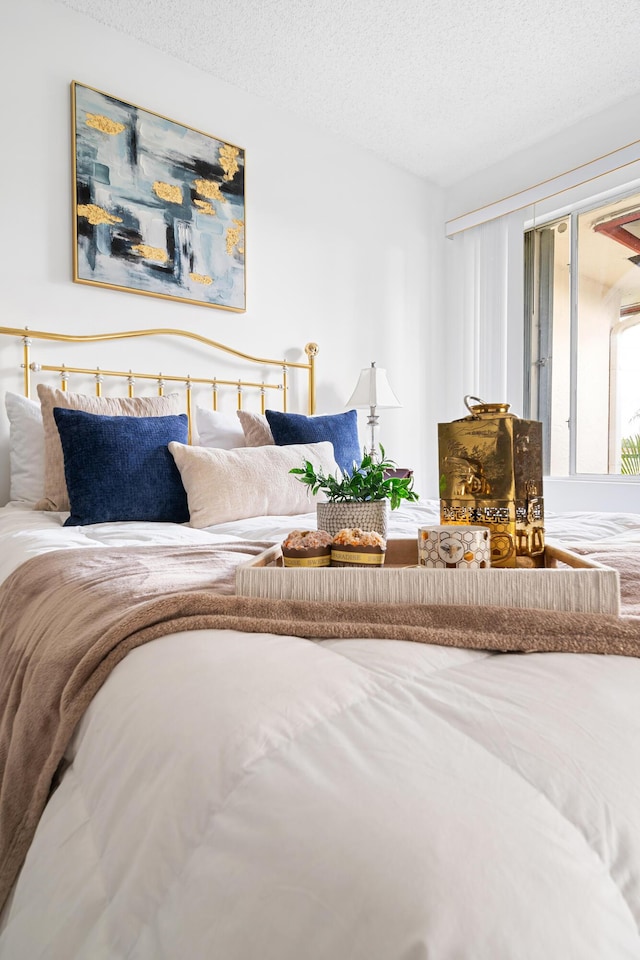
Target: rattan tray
(566, 582)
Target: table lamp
(373, 391)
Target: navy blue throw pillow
(119, 468)
(340, 428)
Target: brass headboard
(281, 383)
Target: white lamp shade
(373, 390)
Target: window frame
(533, 333)
(615, 450)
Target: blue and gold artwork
(158, 207)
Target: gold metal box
(491, 474)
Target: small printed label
(307, 561)
(341, 556)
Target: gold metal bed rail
(29, 366)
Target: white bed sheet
(248, 796)
(25, 532)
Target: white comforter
(253, 797)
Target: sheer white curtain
(484, 339)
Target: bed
(242, 790)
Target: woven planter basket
(370, 515)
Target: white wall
(578, 144)
(342, 248)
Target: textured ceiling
(440, 87)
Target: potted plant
(358, 499)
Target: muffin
(353, 547)
(307, 548)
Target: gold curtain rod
(450, 226)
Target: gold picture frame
(158, 207)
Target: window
(582, 376)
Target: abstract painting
(158, 206)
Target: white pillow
(217, 429)
(227, 485)
(26, 448)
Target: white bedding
(253, 797)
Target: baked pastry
(353, 547)
(307, 548)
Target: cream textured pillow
(257, 431)
(55, 487)
(225, 485)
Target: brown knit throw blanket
(68, 617)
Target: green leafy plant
(369, 481)
(630, 455)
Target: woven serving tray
(566, 582)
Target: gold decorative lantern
(491, 475)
